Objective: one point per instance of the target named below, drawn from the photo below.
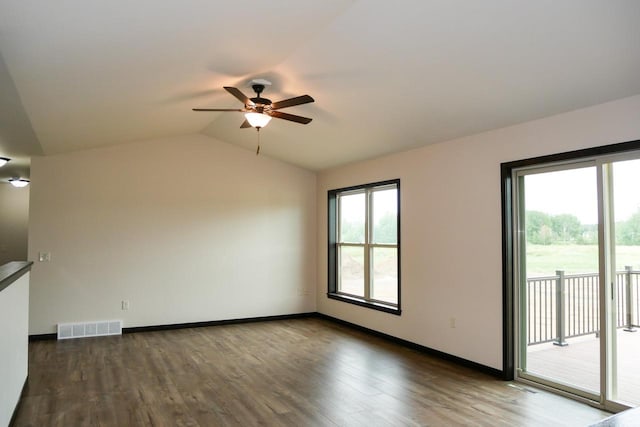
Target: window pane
(385, 216)
(351, 270)
(385, 274)
(352, 215)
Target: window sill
(364, 303)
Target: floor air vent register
(89, 329)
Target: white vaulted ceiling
(386, 76)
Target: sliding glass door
(559, 271)
(625, 341)
(577, 269)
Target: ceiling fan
(259, 111)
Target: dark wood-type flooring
(299, 372)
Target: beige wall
(191, 229)
(14, 217)
(187, 229)
(451, 226)
(14, 351)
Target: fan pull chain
(258, 150)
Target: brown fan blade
(217, 109)
(290, 117)
(245, 125)
(236, 92)
(304, 99)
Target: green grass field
(544, 260)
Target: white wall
(14, 308)
(14, 217)
(187, 229)
(451, 226)
(192, 229)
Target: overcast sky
(574, 192)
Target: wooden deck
(578, 364)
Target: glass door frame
(520, 278)
(608, 310)
(600, 156)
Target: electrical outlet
(452, 322)
(44, 256)
(125, 304)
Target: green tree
(628, 232)
(588, 234)
(535, 221)
(352, 231)
(545, 235)
(566, 227)
(386, 230)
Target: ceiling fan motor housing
(258, 100)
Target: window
(364, 245)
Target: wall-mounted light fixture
(19, 182)
(4, 161)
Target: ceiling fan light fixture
(257, 120)
(19, 182)
(255, 108)
(4, 161)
